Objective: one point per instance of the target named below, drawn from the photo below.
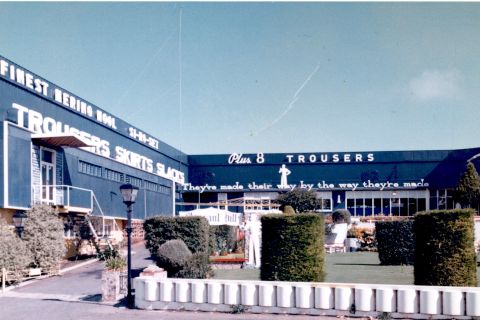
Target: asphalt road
(77, 294)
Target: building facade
(62, 150)
(59, 149)
(397, 183)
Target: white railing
(400, 301)
(63, 195)
(215, 217)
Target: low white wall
(414, 302)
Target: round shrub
(395, 242)
(444, 248)
(14, 254)
(43, 235)
(196, 267)
(341, 216)
(172, 256)
(292, 247)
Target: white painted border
(5, 164)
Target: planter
(111, 285)
(34, 272)
(352, 244)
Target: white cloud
(436, 84)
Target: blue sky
(264, 77)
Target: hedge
(194, 231)
(292, 247)
(444, 250)
(395, 242)
(222, 238)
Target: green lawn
(354, 267)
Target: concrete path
(77, 293)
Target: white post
(173, 198)
(4, 275)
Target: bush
(108, 253)
(43, 235)
(179, 262)
(196, 267)
(288, 210)
(194, 231)
(173, 256)
(444, 248)
(14, 254)
(292, 247)
(395, 242)
(222, 238)
(117, 263)
(341, 216)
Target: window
(151, 186)
(113, 175)
(164, 189)
(222, 200)
(134, 181)
(325, 199)
(397, 202)
(89, 168)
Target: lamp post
(129, 194)
(19, 219)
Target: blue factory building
(59, 149)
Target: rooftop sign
(30, 81)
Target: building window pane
(89, 168)
(134, 181)
(113, 175)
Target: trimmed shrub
(341, 216)
(179, 262)
(14, 254)
(444, 248)
(196, 267)
(173, 256)
(43, 235)
(194, 231)
(222, 238)
(292, 247)
(395, 242)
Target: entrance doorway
(47, 165)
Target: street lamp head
(19, 219)
(129, 193)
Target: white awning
(61, 140)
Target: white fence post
(4, 276)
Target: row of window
(109, 174)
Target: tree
(43, 235)
(14, 254)
(300, 200)
(468, 189)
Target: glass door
(48, 174)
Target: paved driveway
(76, 295)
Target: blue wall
(439, 168)
(107, 191)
